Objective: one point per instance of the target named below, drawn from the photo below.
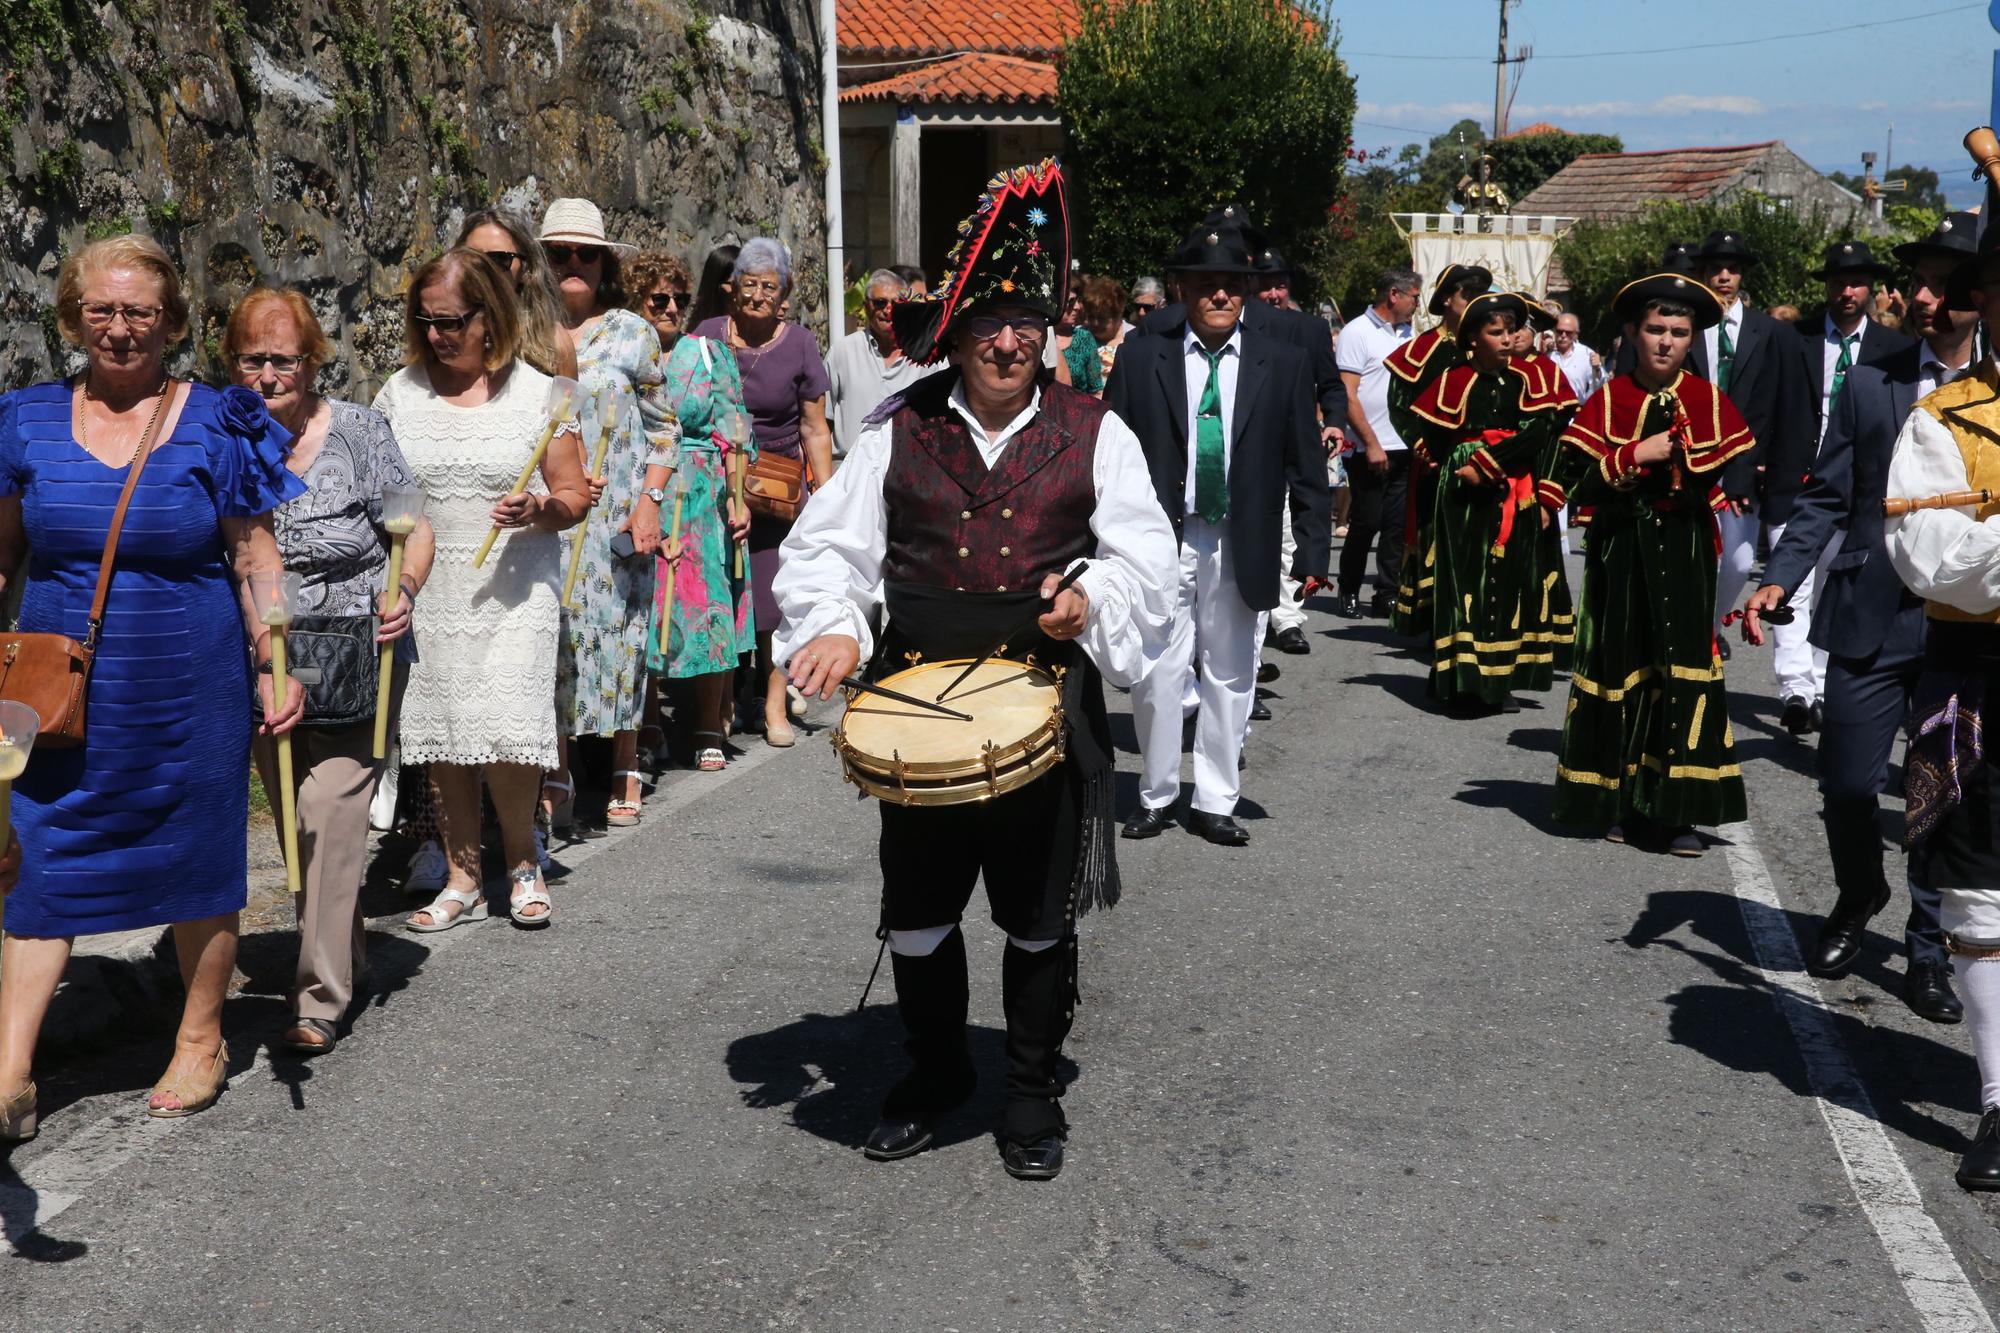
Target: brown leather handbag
(51, 672)
(775, 486)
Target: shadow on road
(1758, 736)
(1528, 800)
(1377, 633)
(1409, 689)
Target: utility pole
(1500, 76)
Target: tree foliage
(1174, 106)
(1524, 162)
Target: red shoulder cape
(1615, 415)
(1408, 360)
(1549, 390)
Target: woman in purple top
(784, 388)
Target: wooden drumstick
(1895, 507)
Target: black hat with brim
(1730, 245)
(1851, 257)
(1956, 238)
(1681, 257)
(1540, 316)
(1233, 216)
(1212, 250)
(1270, 261)
(1634, 297)
(1488, 304)
(1453, 276)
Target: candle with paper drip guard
(274, 596)
(18, 727)
(402, 506)
(606, 401)
(563, 394)
(735, 424)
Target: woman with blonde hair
(508, 239)
(141, 824)
(468, 411)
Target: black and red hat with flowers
(1012, 251)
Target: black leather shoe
(1260, 711)
(1040, 1160)
(892, 1140)
(1818, 711)
(1685, 842)
(1979, 1169)
(1797, 717)
(1840, 938)
(1348, 607)
(1292, 640)
(1218, 829)
(1381, 604)
(1147, 822)
(1266, 672)
(1927, 990)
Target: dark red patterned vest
(953, 524)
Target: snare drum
(915, 757)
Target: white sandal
(471, 906)
(528, 891)
(624, 814)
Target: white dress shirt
(1733, 317)
(1829, 358)
(1576, 368)
(1196, 357)
(1932, 371)
(829, 580)
(858, 382)
(1364, 346)
(1943, 555)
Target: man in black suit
(1870, 626)
(1226, 416)
(1754, 360)
(1829, 347)
(1285, 624)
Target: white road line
(49, 1184)
(1937, 1286)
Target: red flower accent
(1034, 247)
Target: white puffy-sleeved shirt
(1943, 555)
(830, 577)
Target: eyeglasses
(448, 323)
(768, 286)
(881, 302)
(658, 302)
(138, 318)
(1142, 307)
(504, 258)
(1028, 328)
(583, 254)
(252, 363)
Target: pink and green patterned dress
(711, 624)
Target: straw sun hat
(578, 222)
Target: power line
(1671, 50)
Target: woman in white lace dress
(481, 698)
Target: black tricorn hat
(1540, 316)
(1218, 249)
(1634, 297)
(1725, 245)
(1454, 277)
(1850, 257)
(1269, 260)
(1955, 237)
(1488, 304)
(1680, 257)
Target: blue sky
(1829, 97)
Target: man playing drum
(960, 506)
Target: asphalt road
(1412, 1059)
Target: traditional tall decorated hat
(1454, 277)
(1013, 250)
(1634, 297)
(1851, 257)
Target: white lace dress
(483, 687)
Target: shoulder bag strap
(169, 391)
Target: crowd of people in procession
(717, 530)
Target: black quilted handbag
(338, 661)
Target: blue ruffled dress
(143, 824)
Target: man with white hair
(1583, 368)
(868, 365)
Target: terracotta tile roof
(887, 29)
(975, 76)
(1618, 185)
(1539, 127)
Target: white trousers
(1288, 612)
(1215, 631)
(1739, 550)
(1800, 667)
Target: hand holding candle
(563, 393)
(18, 726)
(735, 424)
(402, 506)
(273, 595)
(606, 402)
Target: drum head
(1011, 705)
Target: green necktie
(1211, 485)
(1840, 369)
(1725, 355)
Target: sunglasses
(1142, 307)
(583, 254)
(659, 302)
(447, 323)
(881, 302)
(504, 258)
(1028, 328)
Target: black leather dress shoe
(892, 1140)
(1040, 1160)
(1147, 822)
(1218, 829)
(1260, 711)
(1840, 938)
(1348, 607)
(1979, 1169)
(1266, 672)
(1818, 711)
(1927, 990)
(1381, 604)
(1797, 717)
(1292, 640)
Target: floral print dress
(601, 672)
(709, 624)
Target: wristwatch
(657, 494)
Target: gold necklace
(83, 420)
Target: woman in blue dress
(143, 824)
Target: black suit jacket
(1766, 386)
(1863, 606)
(1273, 448)
(1310, 333)
(1791, 455)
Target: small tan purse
(51, 672)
